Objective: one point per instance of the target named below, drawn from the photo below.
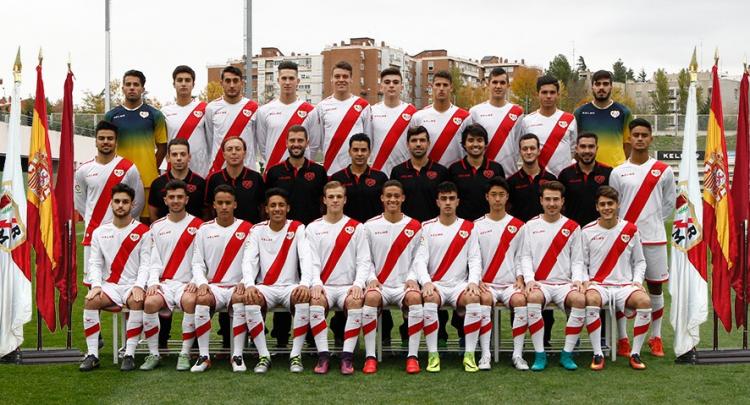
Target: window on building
(430, 65)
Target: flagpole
(39, 342)
(107, 57)
(743, 268)
(69, 229)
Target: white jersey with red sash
(389, 127)
(93, 191)
(172, 249)
(217, 253)
(613, 256)
(224, 120)
(120, 255)
(339, 252)
(647, 197)
(504, 128)
(188, 122)
(445, 130)
(448, 255)
(272, 122)
(393, 246)
(500, 244)
(557, 138)
(334, 122)
(277, 258)
(552, 250)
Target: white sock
(657, 313)
(431, 326)
(91, 329)
(622, 325)
(188, 332)
(257, 327)
(472, 325)
(239, 329)
(536, 326)
(300, 324)
(640, 327)
(151, 332)
(134, 327)
(369, 328)
(351, 329)
(520, 324)
(202, 328)
(573, 328)
(594, 327)
(485, 332)
(416, 324)
(319, 327)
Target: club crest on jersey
(431, 174)
(370, 182)
(134, 237)
(192, 230)
(463, 234)
(302, 113)
(239, 235)
(191, 188)
(562, 124)
(565, 232)
(143, 114)
(599, 179)
(406, 117)
(614, 113)
(119, 172)
(198, 114)
(247, 183)
(656, 172)
(625, 238)
(512, 229)
(409, 233)
(246, 112)
(513, 117)
(309, 176)
(290, 235)
(488, 173)
(457, 120)
(349, 230)
(357, 108)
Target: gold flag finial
(693, 67)
(17, 66)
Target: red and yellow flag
(718, 213)
(41, 207)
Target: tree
(457, 83)
(581, 65)
(660, 96)
(523, 88)
(470, 96)
(212, 91)
(630, 75)
(704, 104)
(561, 70)
(619, 71)
(94, 102)
(642, 76)
(154, 102)
(621, 97)
(683, 84)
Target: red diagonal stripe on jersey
(126, 248)
(486, 328)
(472, 327)
(447, 135)
(151, 332)
(92, 329)
(641, 329)
(342, 241)
(641, 197)
(201, 329)
(502, 132)
(300, 330)
(135, 332)
(536, 326)
(519, 330)
(239, 329)
(231, 250)
(573, 330)
(342, 132)
(502, 248)
(320, 327)
(416, 328)
(615, 251)
(557, 245)
(430, 328)
(239, 124)
(280, 146)
(278, 263)
(102, 204)
(180, 250)
(369, 327)
(457, 244)
(398, 246)
(188, 127)
(392, 137)
(554, 139)
(594, 325)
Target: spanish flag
(718, 213)
(41, 207)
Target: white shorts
(172, 292)
(336, 296)
(222, 295)
(556, 294)
(657, 269)
(503, 293)
(117, 293)
(393, 296)
(450, 294)
(617, 295)
(277, 296)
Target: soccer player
(277, 272)
(647, 198)
(229, 116)
(390, 121)
(247, 183)
(500, 242)
(606, 118)
(555, 128)
(142, 130)
(448, 265)
(337, 118)
(443, 120)
(393, 239)
(526, 182)
(170, 272)
(94, 181)
(118, 270)
(502, 120)
(217, 275)
(186, 120)
(341, 262)
(363, 183)
(273, 120)
(472, 173)
(552, 251)
(613, 259)
(179, 158)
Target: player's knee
(133, 304)
(152, 304)
(353, 303)
(372, 298)
(535, 297)
(470, 299)
(593, 298)
(238, 299)
(486, 299)
(412, 298)
(641, 300)
(432, 299)
(517, 300)
(577, 300)
(92, 304)
(203, 299)
(318, 301)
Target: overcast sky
(155, 36)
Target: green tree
(683, 85)
(630, 75)
(94, 102)
(660, 96)
(458, 82)
(704, 104)
(561, 70)
(619, 71)
(642, 76)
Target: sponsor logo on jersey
(370, 182)
(357, 107)
(290, 235)
(625, 238)
(656, 172)
(239, 235)
(198, 114)
(614, 113)
(457, 120)
(309, 176)
(246, 112)
(431, 174)
(513, 117)
(463, 234)
(302, 113)
(409, 233)
(247, 183)
(406, 117)
(119, 172)
(349, 230)
(599, 179)
(566, 232)
(191, 188)
(143, 114)
(192, 230)
(488, 173)
(562, 124)
(134, 237)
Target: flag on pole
(15, 269)
(688, 284)
(718, 212)
(41, 205)
(740, 192)
(65, 275)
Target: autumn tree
(94, 102)
(212, 91)
(523, 88)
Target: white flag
(15, 277)
(687, 282)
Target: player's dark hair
(526, 137)
(497, 181)
(224, 188)
(123, 188)
(297, 128)
(553, 185)
(233, 70)
(343, 65)
(602, 74)
(639, 122)
(474, 130)
(587, 135)
(277, 191)
(178, 141)
(360, 137)
(545, 80)
(417, 131)
(444, 74)
(393, 183)
(175, 184)
(183, 69)
(392, 71)
(289, 65)
(447, 187)
(231, 138)
(497, 72)
(607, 191)
(106, 126)
(135, 73)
